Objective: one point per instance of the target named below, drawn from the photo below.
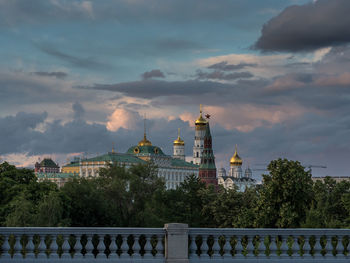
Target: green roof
(56, 175)
(145, 150)
(180, 163)
(48, 163)
(72, 164)
(115, 157)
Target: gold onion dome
(236, 160)
(201, 120)
(179, 141)
(144, 142)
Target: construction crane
(310, 166)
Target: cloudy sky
(78, 76)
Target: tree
(329, 206)
(285, 195)
(22, 213)
(231, 208)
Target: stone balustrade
(176, 243)
(82, 244)
(268, 245)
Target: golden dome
(179, 141)
(144, 142)
(200, 120)
(235, 159)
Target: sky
(77, 77)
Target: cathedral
(174, 168)
(236, 176)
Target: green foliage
(234, 209)
(285, 195)
(136, 197)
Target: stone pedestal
(176, 243)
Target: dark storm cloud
(224, 66)
(307, 27)
(157, 88)
(20, 89)
(222, 76)
(16, 12)
(78, 111)
(155, 73)
(18, 131)
(56, 74)
(18, 135)
(87, 63)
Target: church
(173, 168)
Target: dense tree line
(137, 197)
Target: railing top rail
(82, 230)
(269, 231)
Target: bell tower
(200, 126)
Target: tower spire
(144, 142)
(144, 126)
(178, 133)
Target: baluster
(159, 247)
(284, 247)
(250, 246)
(42, 247)
(6, 247)
(317, 247)
(100, 247)
(30, 248)
(339, 253)
(65, 247)
(78, 247)
(53, 247)
(346, 251)
(193, 247)
(239, 247)
(329, 247)
(295, 248)
(113, 247)
(273, 247)
(307, 247)
(124, 247)
(227, 248)
(136, 247)
(263, 247)
(204, 247)
(89, 247)
(17, 247)
(148, 247)
(216, 247)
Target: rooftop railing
(173, 243)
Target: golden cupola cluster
(201, 120)
(179, 141)
(235, 159)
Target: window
(197, 154)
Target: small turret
(179, 147)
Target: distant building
(48, 170)
(46, 166)
(336, 178)
(207, 168)
(59, 178)
(236, 176)
(174, 169)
